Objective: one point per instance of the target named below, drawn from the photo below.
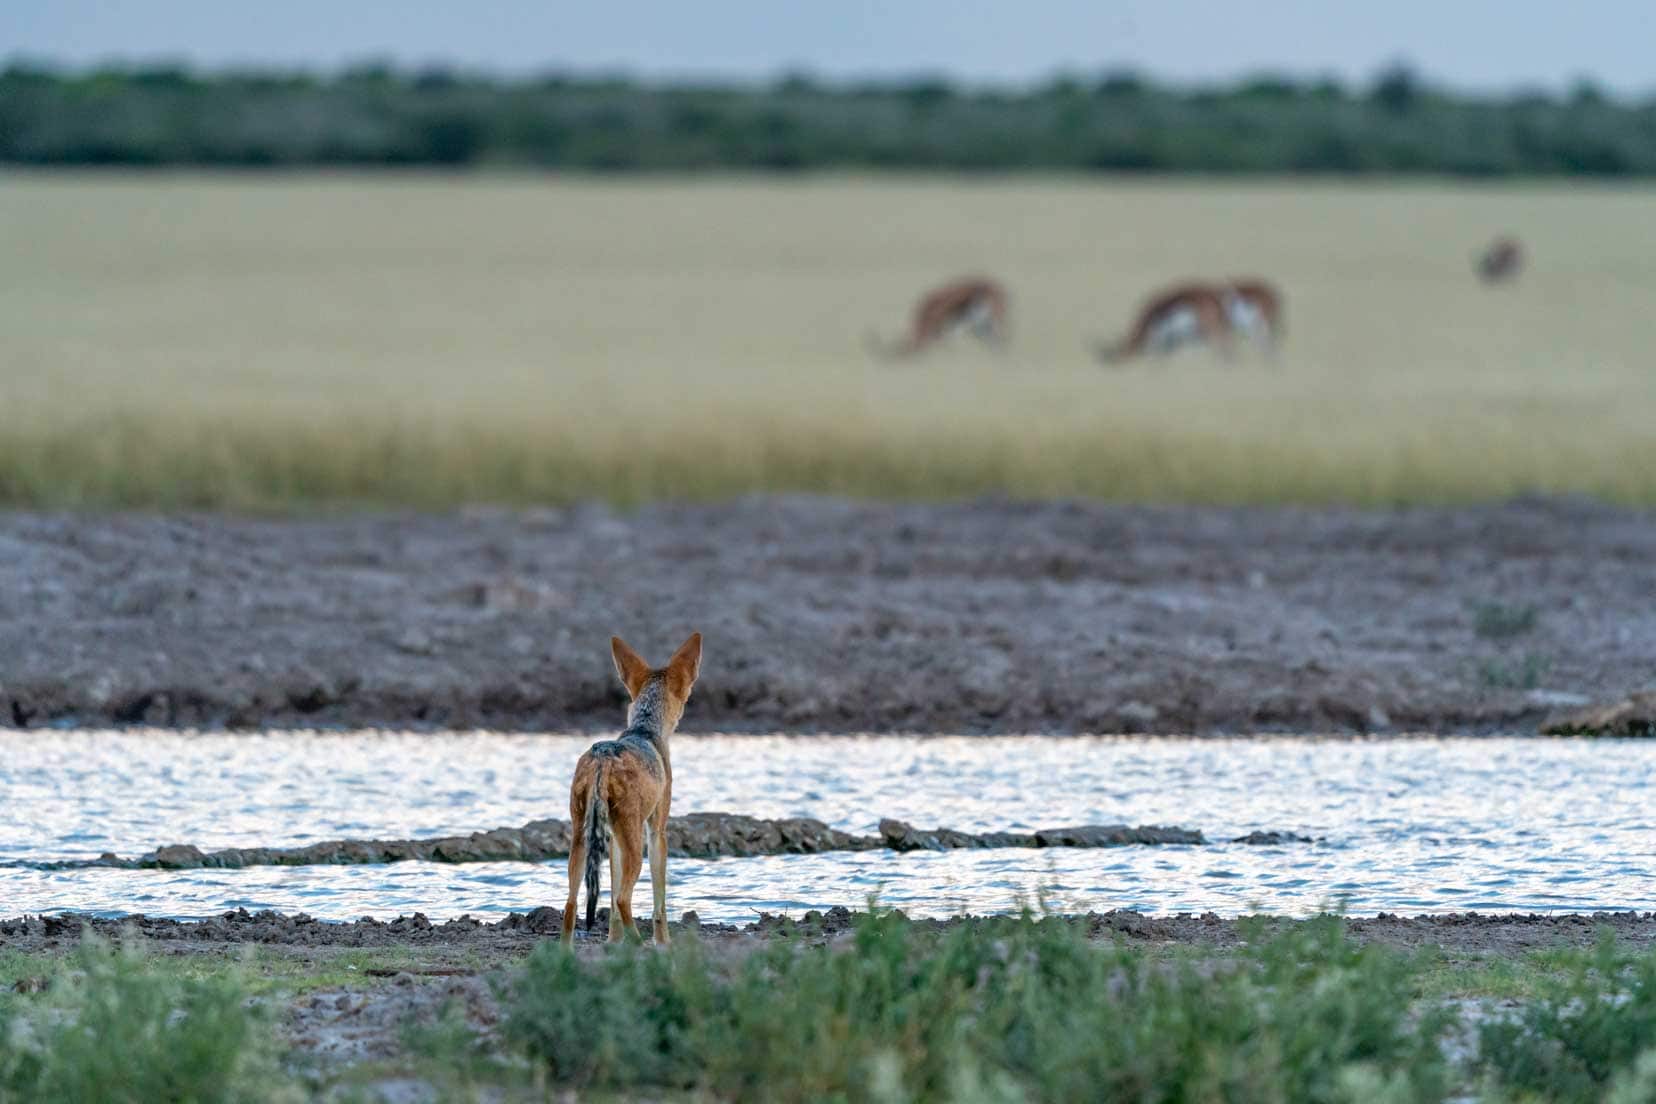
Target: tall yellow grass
(294, 341)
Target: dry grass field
(271, 342)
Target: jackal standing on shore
(619, 799)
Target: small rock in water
(176, 856)
(1272, 839)
(1114, 835)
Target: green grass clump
(1501, 621)
(1522, 673)
(1592, 1031)
(1023, 1010)
(1495, 977)
(110, 1028)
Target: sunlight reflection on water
(1408, 824)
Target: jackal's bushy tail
(596, 829)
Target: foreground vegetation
(113, 1029)
(372, 115)
(260, 344)
(1023, 1009)
(1011, 1012)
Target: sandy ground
(825, 615)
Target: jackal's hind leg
(577, 868)
(658, 879)
(618, 889)
(629, 843)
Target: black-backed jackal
(619, 800)
(974, 303)
(1202, 313)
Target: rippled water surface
(1407, 825)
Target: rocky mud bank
(516, 933)
(832, 616)
(694, 835)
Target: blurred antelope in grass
(1199, 313)
(1503, 260)
(619, 799)
(976, 304)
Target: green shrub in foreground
(1593, 1031)
(1022, 1010)
(116, 1031)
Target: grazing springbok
(1501, 261)
(1202, 313)
(1254, 308)
(975, 303)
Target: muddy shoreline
(517, 933)
(824, 615)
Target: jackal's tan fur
(623, 789)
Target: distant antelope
(1254, 308)
(1201, 313)
(1501, 261)
(976, 303)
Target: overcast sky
(1479, 44)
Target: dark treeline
(376, 115)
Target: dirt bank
(824, 615)
(514, 935)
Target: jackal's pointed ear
(629, 665)
(685, 665)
